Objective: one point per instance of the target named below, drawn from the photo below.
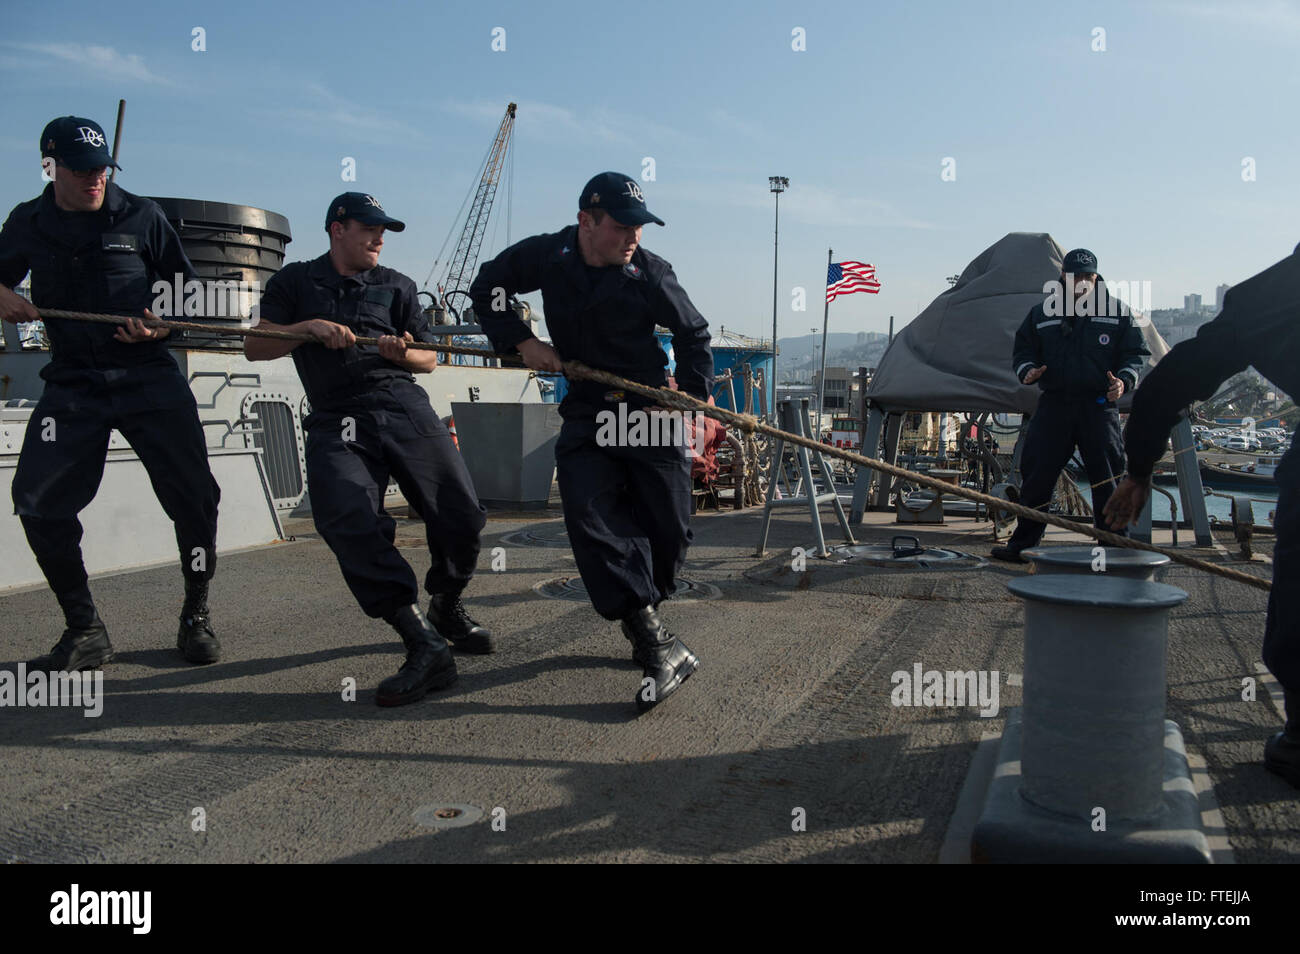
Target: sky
(1160, 135)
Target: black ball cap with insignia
(362, 207)
(620, 196)
(77, 143)
(1078, 261)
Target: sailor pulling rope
(677, 400)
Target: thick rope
(679, 400)
(260, 332)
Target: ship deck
(790, 709)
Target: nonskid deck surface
(790, 710)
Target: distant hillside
(795, 350)
(800, 357)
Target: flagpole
(826, 313)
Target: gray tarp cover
(956, 354)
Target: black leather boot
(428, 665)
(1282, 751)
(449, 617)
(665, 661)
(195, 638)
(80, 647)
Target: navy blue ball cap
(620, 196)
(1079, 260)
(77, 143)
(362, 207)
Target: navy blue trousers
(57, 478)
(1282, 627)
(393, 433)
(1059, 426)
(627, 511)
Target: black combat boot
(195, 639)
(80, 647)
(1282, 751)
(662, 657)
(448, 616)
(84, 643)
(428, 660)
(1008, 554)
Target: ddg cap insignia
(363, 207)
(91, 137)
(1079, 260)
(619, 195)
(76, 142)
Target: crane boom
(461, 272)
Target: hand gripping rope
(680, 401)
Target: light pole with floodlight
(777, 185)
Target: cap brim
(634, 217)
(92, 161)
(393, 225)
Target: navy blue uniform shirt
(105, 261)
(1079, 349)
(373, 303)
(603, 317)
(1260, 326)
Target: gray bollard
(1094, 697)
(1119, 561)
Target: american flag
(845, 278)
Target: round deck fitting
(447, 815)
(1119, 561)
(572, 588)
(548, 536)
(1094, 699)
(957, 506)
(903, 552)
(1097, 591)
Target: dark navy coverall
(1260, 326)
(105, 261)
(1079, 348)
(626, 509)
(370, 421)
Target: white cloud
(326, 110)
(104, 60)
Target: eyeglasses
(87, 174)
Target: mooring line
(678, 400)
